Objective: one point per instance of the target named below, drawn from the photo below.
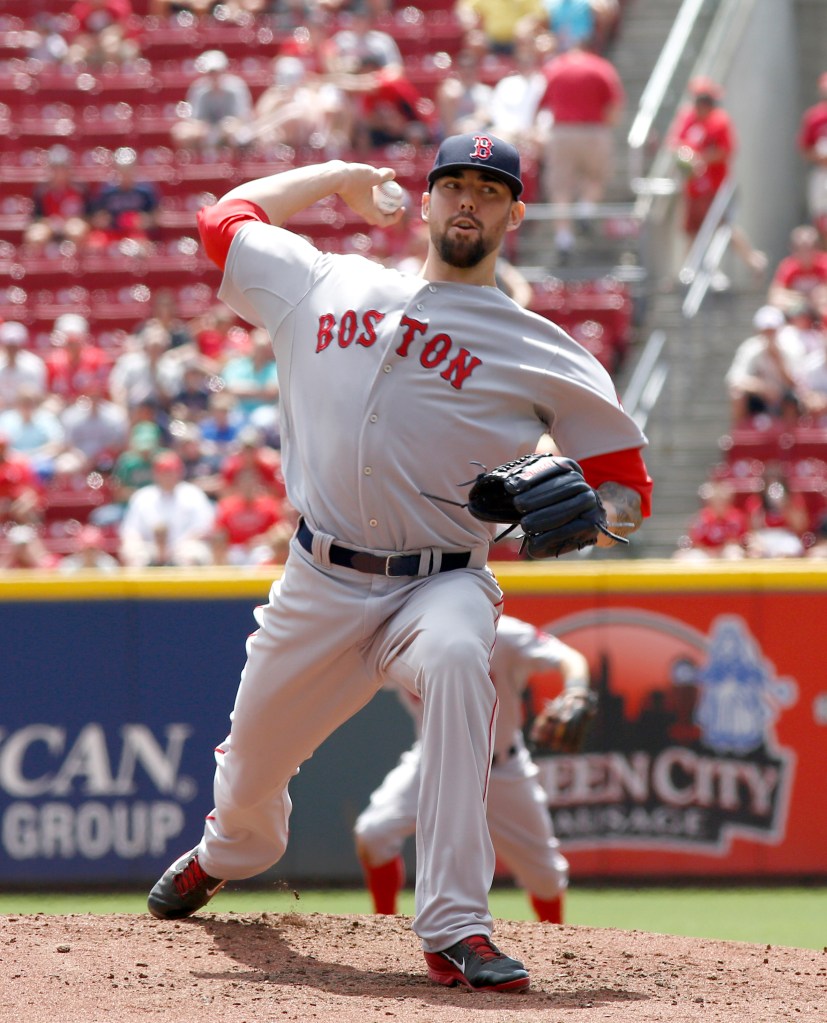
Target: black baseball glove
(547, 496)
(562, 725)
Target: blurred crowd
(164, 450)
(768, 498)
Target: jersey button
(374, 522)
(420, 307)
(432, 289)
(374, 418)
(386, 369)
(367, 470)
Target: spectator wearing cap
(60, 206)
(812, 144)
(21, 492)
(89, 554)
(585, 98)
(75, 365)
(19, 367)
(802, 273)
(24, 549)
(33, 430)
(133, 466)
(167, 522)
(219, 104)
(762, 378)
(704, 141)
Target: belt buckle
(388, 560)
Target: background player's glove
(548, 497)
(562, 725)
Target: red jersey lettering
(412, 328)
(327, 321)
(347, 328)
(369, 321)
(435, 351)
(460, 368)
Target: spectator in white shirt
(18, 367)
(167, 522)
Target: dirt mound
(365, 969)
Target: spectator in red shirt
(812, 144)
(803, 273)
(719, 528)
(704, 142)
(253, 458)
(76, 364)
(585, 97)
(243, 520)
(21, 493)
(389, 109)
(61, 207)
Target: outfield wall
(706, 760)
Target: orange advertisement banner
(707, 757)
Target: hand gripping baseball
(548, 497)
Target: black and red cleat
(477, 963)
(183, 889)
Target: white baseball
(388, 196)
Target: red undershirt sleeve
(218, 224)
(624, 467)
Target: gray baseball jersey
(406, 369)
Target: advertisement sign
(706, 758)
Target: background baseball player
(394, 390)
(518, 816)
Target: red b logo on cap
(482, 148)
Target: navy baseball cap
(479, 152)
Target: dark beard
(461, 253)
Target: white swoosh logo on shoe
(460, 965)
(216, 890)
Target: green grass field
(769, 915)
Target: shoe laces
(190, 877)
(482, 947)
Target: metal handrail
(663, 74)
(647, 380)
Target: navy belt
(376, 564)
